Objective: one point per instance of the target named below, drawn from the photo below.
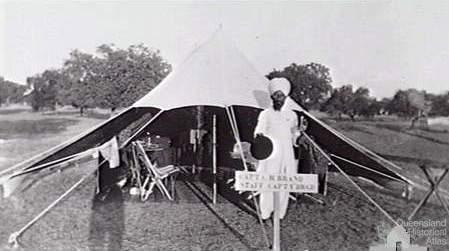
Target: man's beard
(277, 105)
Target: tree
(114, 78)
(149, 67)
(44, 90)
(53, 80)
(310, 83)
(440, 104)
(127, 75)
(339, 101)
(361, 103)
(383, 105)
(399, 104)
(10, 92)
(81, 74)
(408, 103)
(374, 108)
(344, 101)
(42, 94)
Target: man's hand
(296, 135)
(258, 134)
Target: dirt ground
(122, 222)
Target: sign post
(276, 223)
(276, 183)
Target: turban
(279, 84)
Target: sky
(381, 45)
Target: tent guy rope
(364, 167)
(350, 180)
(13, 238)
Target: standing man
(280, 125)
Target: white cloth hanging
(110, 151)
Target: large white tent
(216, 74)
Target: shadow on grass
(107, 221)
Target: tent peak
(216, 73)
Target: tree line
(111, 79)
(115, 78)
(409, 103)
(312, 88)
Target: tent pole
(350, 180)
(214, 156)
(233, 123)
(230, 121)
(326, 178)
(237, 138)
(194, 151)
(132, 137)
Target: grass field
(23, 134)
(407, 148)
(346, 222)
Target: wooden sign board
(263, 182)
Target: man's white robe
(280, 127)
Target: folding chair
(156, 175)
